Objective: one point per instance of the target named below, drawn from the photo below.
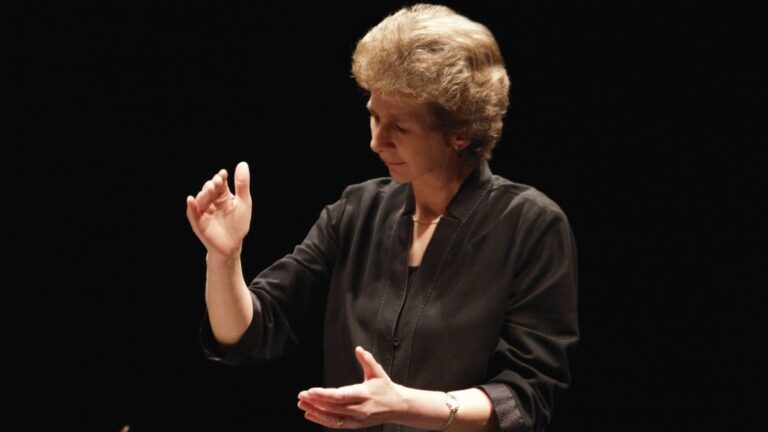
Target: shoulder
(522, 200)
(374, 191)
(530, 217)
(370, 203)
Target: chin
(399, 177)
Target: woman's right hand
(220, 219)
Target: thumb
(243, 182)
(371, 368)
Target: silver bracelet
(453, 404)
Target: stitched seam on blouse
(433, 282)
(384, 293)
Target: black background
(638, 118)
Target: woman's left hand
(374, 401)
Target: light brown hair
(430, 54)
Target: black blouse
(493, 304)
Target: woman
(451, 292)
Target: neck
(433, 195)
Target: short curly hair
(430, 54)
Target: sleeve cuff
(238, 353)
(505, 406)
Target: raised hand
(220, 219)
(369, 403)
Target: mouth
(390, 163)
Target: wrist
(216, 261)
(224, 270)
(404, 399)
(453, 406)
(422, 409)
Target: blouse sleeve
(530, 365)
(282, 294)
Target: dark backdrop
(638, 118)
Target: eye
(400, 128)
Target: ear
(458, 143)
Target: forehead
(398, 107)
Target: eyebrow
(370, 110)
(395, 118)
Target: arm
(229, 303)
(378, 400)
(428, 410)
(263, 320)
(530, 368)
(221, 220)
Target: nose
(380, 137)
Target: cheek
(425, 151)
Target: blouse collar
(466, 199)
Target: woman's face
(408, 142)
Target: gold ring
(340, 422)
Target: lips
(392, 163)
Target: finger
(223, 196)
(342, 396)
(205, 197)
(330, 409)
(330, 421)
(220, 184)
(212, 191)
(349, 409)
(223, 173)
(191, 205)
(316, 411)
(194, 218)
(192, 214)
(371, 368)
(243, 182)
